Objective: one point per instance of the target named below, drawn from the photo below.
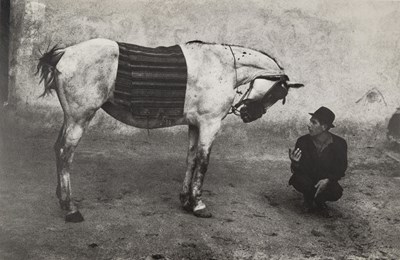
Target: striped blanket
(151, 82)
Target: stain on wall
(345, 52)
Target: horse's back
(88, 72)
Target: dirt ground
(127, 190)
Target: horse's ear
(295, 85)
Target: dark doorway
(4, 48)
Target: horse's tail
(47, 70)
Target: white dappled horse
(83, 75)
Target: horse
(84, 77)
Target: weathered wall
(345, 52)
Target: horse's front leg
(207, 135)
(186, 202)
(64, 148)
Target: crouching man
(318, 162)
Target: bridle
(250, 110)
(281, 81)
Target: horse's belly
(123, 114)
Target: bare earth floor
(127, 190)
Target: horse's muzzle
(252, 110)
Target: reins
(234, 109)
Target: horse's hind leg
(190, 167)
(68, 139)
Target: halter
(280, 80)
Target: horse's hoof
(74, 217)
(202, 213)
(185, 201)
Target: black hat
(324, 116)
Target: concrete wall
(345, 52)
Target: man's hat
(324, 116)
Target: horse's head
(265, 92)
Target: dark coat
(331, 163)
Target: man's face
(315, 127)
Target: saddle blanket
(151, 82)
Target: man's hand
(321, 186)
(295, 155)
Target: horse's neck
(251, 64)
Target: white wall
(345, 52)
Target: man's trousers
(306, 185)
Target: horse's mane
(240, 46)
(198, 41)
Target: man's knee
(302, 184)
(332, 193)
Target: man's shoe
(308, 206)
(323, 210)
(321, 205)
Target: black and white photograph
(199, 130)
